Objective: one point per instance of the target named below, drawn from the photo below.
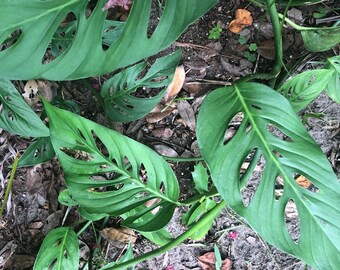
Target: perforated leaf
(121, 105)
(305, 87)
(16, 116)
(39, 20)
(287, 152)
(108, 173)
(59, 251)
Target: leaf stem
(10, 182)
(183, 159)
(174, 242)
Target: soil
(33, 209)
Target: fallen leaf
(122, 235)
(242, 19)
(303, 181)
(187, 113)
(157, 114)
(176, 85)
(165, 150)
(207, 262)
(30, 93)
(267, 49)
(47, 89)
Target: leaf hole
(305, 183)
(143, 175)
(250, 179)
(62, 38)
(278, 187)
(233, 126)
(276, 153)
(100, 145)
(292, 221)
(77, 154)
(10, 115)
(10, 40)
(91, 5)
(276, 132)
(256, 107)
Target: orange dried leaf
(176, 84)
(303, 181)
(122, 235)
(242, 19)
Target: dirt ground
(33, 208)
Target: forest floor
(33, 209)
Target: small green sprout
(215, 32)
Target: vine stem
(174, 242)
(10, 182)
(274, 17)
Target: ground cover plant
(110, 175)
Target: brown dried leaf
(187, 113)
(165, 150)
(207, 262)
(267, 49)
(242, 19)
(122, 235)
(47, 89)
(157, 114)
(176, 84)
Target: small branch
(202, 222)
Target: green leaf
(305, 87)
(218, 257)
(265, 110)
(39, 151)
(333, 86)
(108, 173)
(195, 213)
(16, 116)
(160, 237)
(201, 178)
(120, 105)
(58, 251)
(85, 56)
(65, 198)
(126, 257)
(294, 3)
(320, 40)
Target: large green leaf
(59, 251)
(264, 110)
(305, 87)
(16, 116)
(117, 92)
(108, 173)
(319, 40)
(39, 20)
(333, 86)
